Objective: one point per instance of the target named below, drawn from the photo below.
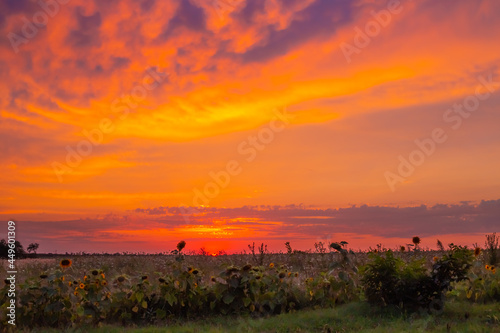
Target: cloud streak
(158, 228)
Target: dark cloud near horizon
(276, 222)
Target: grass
(353, 317)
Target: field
(327, 290)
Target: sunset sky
(130, 125)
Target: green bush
(388, 280)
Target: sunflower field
(89, 291)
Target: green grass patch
(352, 317)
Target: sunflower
(95, 272)
(296, 274)
(144, 277)
(477, 251)
(104, 283)
(120, 279)
(213, 279)
(247, 267)
(81, 286)
(181, 245)
(271, 265)
(70, 283)
(43, 276)
(487, 267)
(282, 275)
(402, 248)
(75, 293)
(416, 240)
(494, 270)
(103, 276)
(65, 263)
(195, 271)
(435, 259)
(161, 280)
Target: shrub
(388, 280)
(491, 247)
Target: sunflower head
(144, 277)
(416, 240)
(65, 263)
(81, 286)
(120, 279)
(282, 275)
(435, 259)
(43, 276)
(95, 272)
(477, 251)
(487, 267)
(181, 245)
(402, 248)
(271, 265)
(104, 283)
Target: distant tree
(33, 247)
(4, 249)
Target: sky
(130, 125)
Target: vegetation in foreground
(458, 316)
(76, 295)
